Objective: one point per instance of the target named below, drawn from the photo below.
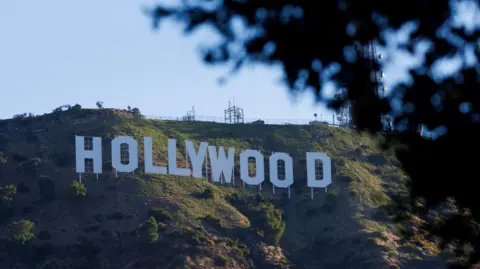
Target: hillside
(50, 220)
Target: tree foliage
(21, 231)
(149, 232)
(6, 198)
(271, 222)
(78, 189)
(313, 42)
(160, 214)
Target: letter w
(221, 163)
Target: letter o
(132, 154)
(288, 181)
(259, 165)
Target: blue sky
(56, 52)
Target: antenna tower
(369, 54)
(190, 115)
(233, 114)
(373, 64)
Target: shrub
(196, 237)
(160, 214)
(240, 250)
(78, 189)
(332, 194)
(271, 222)
(21, 231)
(76, 108)
(244, 249)
(149, 232)
(6, 193)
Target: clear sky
(55, 52)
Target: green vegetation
(6, 193)
(211, 223)
(150, 231)
(78, 189)
(366, 187)
(160, 214)
(21, 231)
(6, 197)
(270, 220)
(197, 237)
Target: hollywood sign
(220, 163)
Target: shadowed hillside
(51, 220)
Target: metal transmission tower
(373, 64)
(190, 115)
(233, 114)
(368, 54)
(370, 57)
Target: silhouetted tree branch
(314, 42)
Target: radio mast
(233, 114)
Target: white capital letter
(172, 160)
(259, 166)
(274, 158)
(196, 158)
(132, 154)
(81, 154)
(148, 158)
(221, 164)
(327, 170)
